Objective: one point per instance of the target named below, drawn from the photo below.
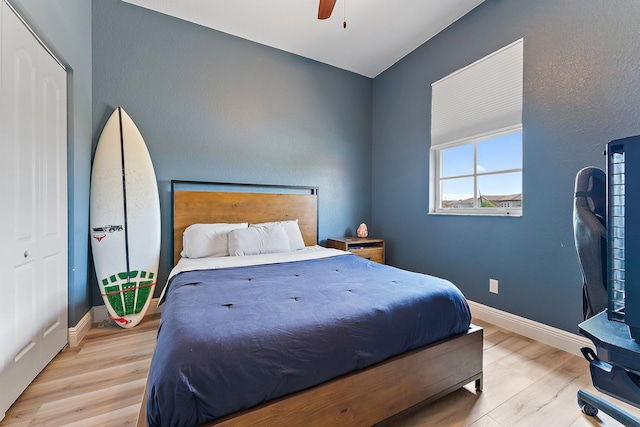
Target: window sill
(511, 213)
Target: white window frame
(478, 102)
(437, 179)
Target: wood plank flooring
(100, 383)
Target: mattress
(232, 338)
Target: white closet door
(33, 216)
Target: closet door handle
(27, 254)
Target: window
(476, 137)
(484, 174)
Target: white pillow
(293, 232)
(265, 239)
(203, 240)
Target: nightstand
(364, 247)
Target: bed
(309, 336)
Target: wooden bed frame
(361, 398)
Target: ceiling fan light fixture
(325, 8)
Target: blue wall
(215, 107)
(65, 25)
(581, 89)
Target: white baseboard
(100, 313)
(78, 332)
(538, 331)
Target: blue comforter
(233, 338)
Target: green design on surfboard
(127, 293)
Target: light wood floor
(100, 383)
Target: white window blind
(480, 99)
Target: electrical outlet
(493, 286)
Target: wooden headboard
(197, 202)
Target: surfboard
(124, 219)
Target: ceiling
(378, 32)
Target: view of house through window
(482, 174)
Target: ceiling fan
(325, 8)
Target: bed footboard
(371, 395)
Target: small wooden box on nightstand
(364, 247)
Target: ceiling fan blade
(325, 9)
